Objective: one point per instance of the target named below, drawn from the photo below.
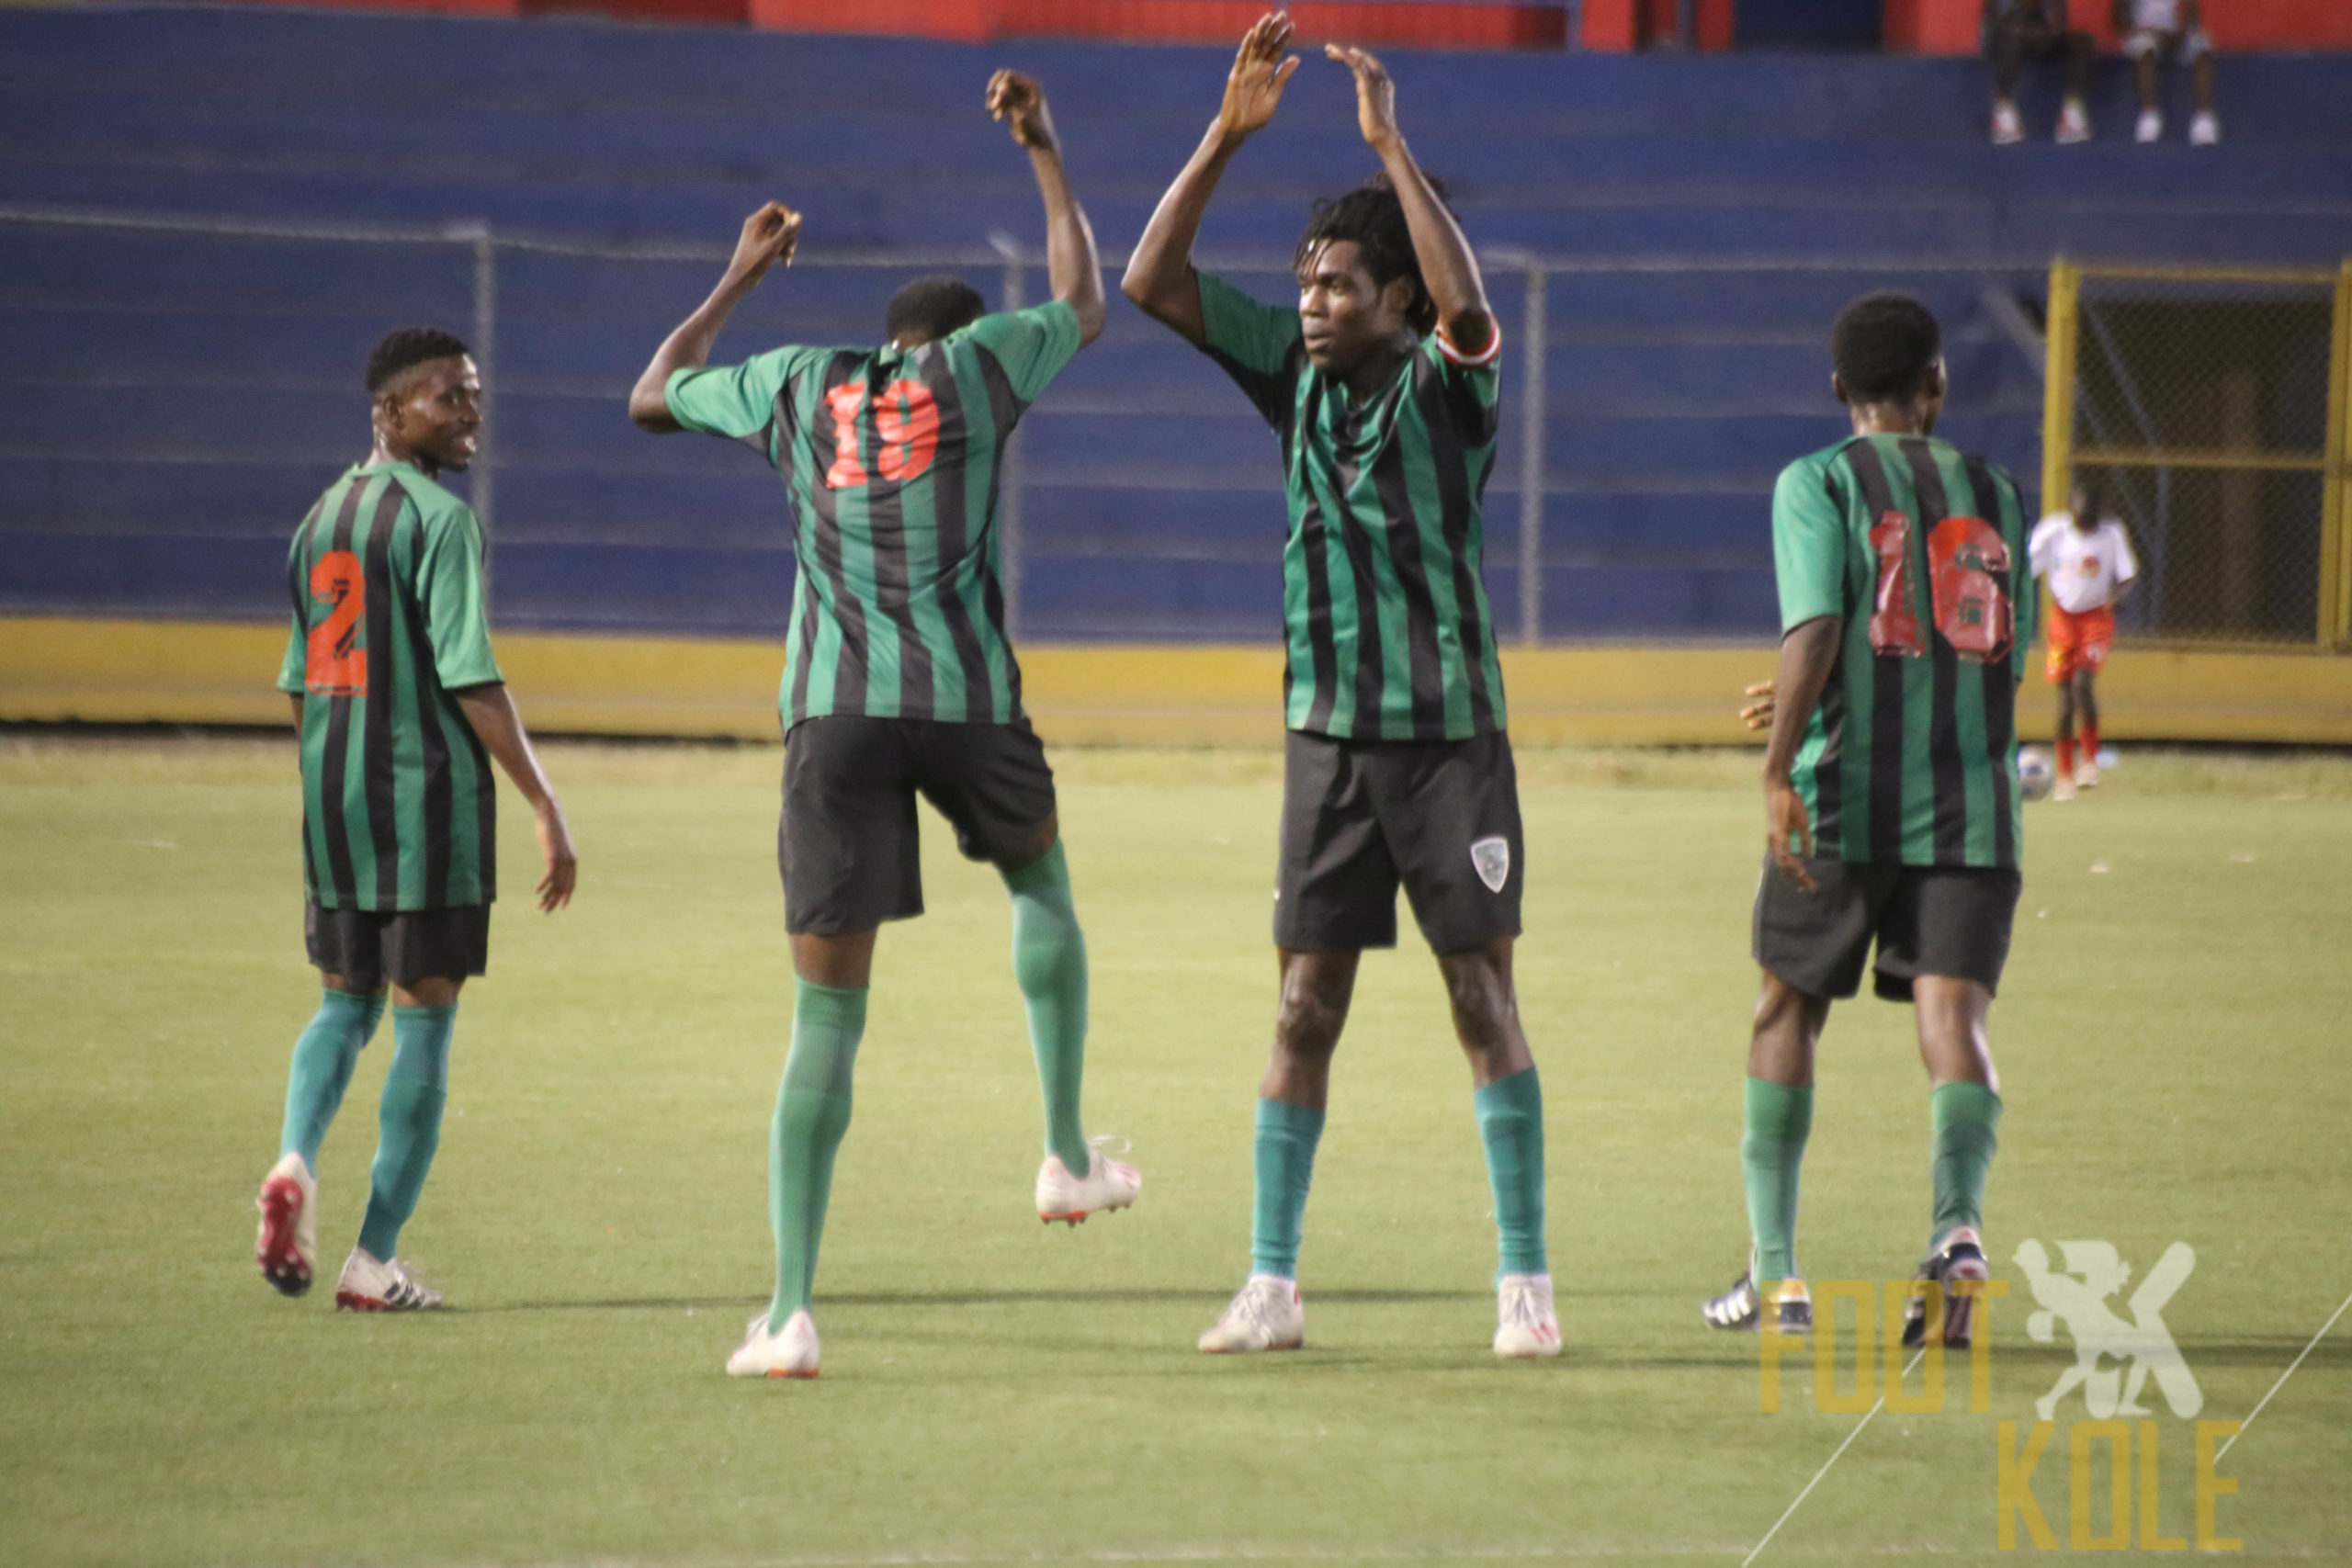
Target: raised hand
(768, 238)
(1020, 103)
(1260, 73)
(1375, 96)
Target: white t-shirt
(2084, 570)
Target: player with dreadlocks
(1381, 384)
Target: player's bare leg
(1965, 1108)
(1311, 1011)
(1779, 1120)
(1077, 1177)
(1509, 1105)
(2083, 699)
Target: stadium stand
(172, 402)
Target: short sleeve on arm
(1808, 544)
(1032, 345)
(734, 401)
(2127, 565)
(457, 618)
(1256, 342)
(292, 669)
(1472, 383)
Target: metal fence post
(1008, 506)
(485, 359)
(2335, 483)
(1532, 414)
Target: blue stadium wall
(172, 404)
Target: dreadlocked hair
(409, 347)
(1372, 216)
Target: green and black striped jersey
(889, 458)
(1388, 632)
(398, 809)
(1919, 548)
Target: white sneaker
(2204, 131)
(1108, 1184)
(2062, 788)
(2086, 773)
(370, 1285)
(1266, 1314)
(2073, 123)
(288, 1249)
(1528, 1325)
(2150, 127)
(791, 1351)
(2008, 128)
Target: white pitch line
(2283, 1377)
(1825, 1469)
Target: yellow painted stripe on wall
(194, 672)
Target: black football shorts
(1948, 921)
(1362, 817)
(848, 845)
(366, 948)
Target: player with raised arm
(1383, 388)
(2086, 557)
(399, 708)
(1890, 793)
(901, 679)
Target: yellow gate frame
(2058, 457)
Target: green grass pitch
(2173, 1037)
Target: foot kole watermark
(1885, 1345)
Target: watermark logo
(2078, 1296)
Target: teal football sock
(321, 1070)
(1780, 1119)
(409, 1123)
(811, 1116)
(1049, 961)
(1967, 1118)
(1287, 1134)
(1511, 1123)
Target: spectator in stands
(2153, 30)
(2017, 30)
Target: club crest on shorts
(1491, 859)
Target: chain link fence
(179, 389)
(2206, 408)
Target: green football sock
(1049, 961)
(1287, 1134)
(1511, 1123)
(812, 1115)
(1967, 1118)
(409, 1123)
(321, 1071)
(1780, 1119)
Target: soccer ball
(2036, 772)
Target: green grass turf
(2172, 1038)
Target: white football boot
(1266, 1314)
(288, 1250)
(791, 1351)
(1108, 1184)
(1528, 1325)
(370, 1284)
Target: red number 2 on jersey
(333, 664)
(905, 433)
